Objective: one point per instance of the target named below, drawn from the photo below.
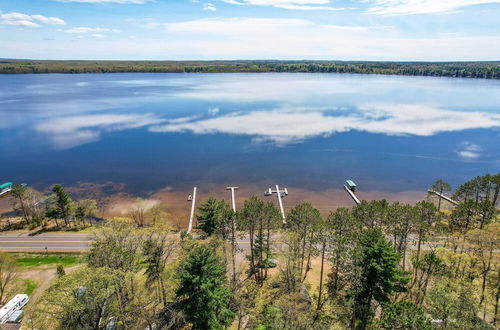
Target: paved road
(56, 242)
(50, 242)
(74, 242)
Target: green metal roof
(5, 185)
(350, 183)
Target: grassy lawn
(33, 260)
(30, 286)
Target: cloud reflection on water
(290, 125)
(68, 132)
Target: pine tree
(212, 216)
(203, 295)
(403, 315)
(378, 276)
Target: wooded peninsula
(486, 70)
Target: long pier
(5, 192)
(353, 196)
(443, 197)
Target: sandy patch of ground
(43, 276)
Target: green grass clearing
(66, 260)
(30, 286)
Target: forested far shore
(486, 70)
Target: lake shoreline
(480, 69)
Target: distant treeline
(488, 70)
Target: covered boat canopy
(350, 184)
(6, 185)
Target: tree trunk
(268, 246)
(252, 254)
(308, 264)
(303, 252)
(321, 275)
(497, 300)
(25, 215)
(162, 290)
(261, 260)
(495, 195)
(233, 248)
(439, 199)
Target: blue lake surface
(150, 131)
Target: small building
(10, 310)
(351, 185)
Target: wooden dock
(5, 192)
(443, 197)
(353, 196)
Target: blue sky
(429, 30)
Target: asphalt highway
(45, 242)
(79, 242)
(56, 242)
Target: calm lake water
(151, 131)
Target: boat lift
(233, 200)
(280, 194)
(350, 187)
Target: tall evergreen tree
(64, 203)
(403, 315)
(211, 217)
(203, 295)
(378, 275)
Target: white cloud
(289, 4)
(236, 26)
(409, 7)
(21, 23)
(469, 150)
(97, 35)
(48, 20)
(209, 7)
(287, 39)
(20, 19)
(290, 125)
(83, 29)
(247, 37)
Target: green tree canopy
(378, 275)
(64, 203)
(203, 295)
(82, 299)
(403, 315)
(211, 218)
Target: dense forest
(378, 265)
(488, 70)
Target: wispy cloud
(410, 7)
(25, 20)
(209, 7)
(289, 4)
(293, 38)
(83, 30)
